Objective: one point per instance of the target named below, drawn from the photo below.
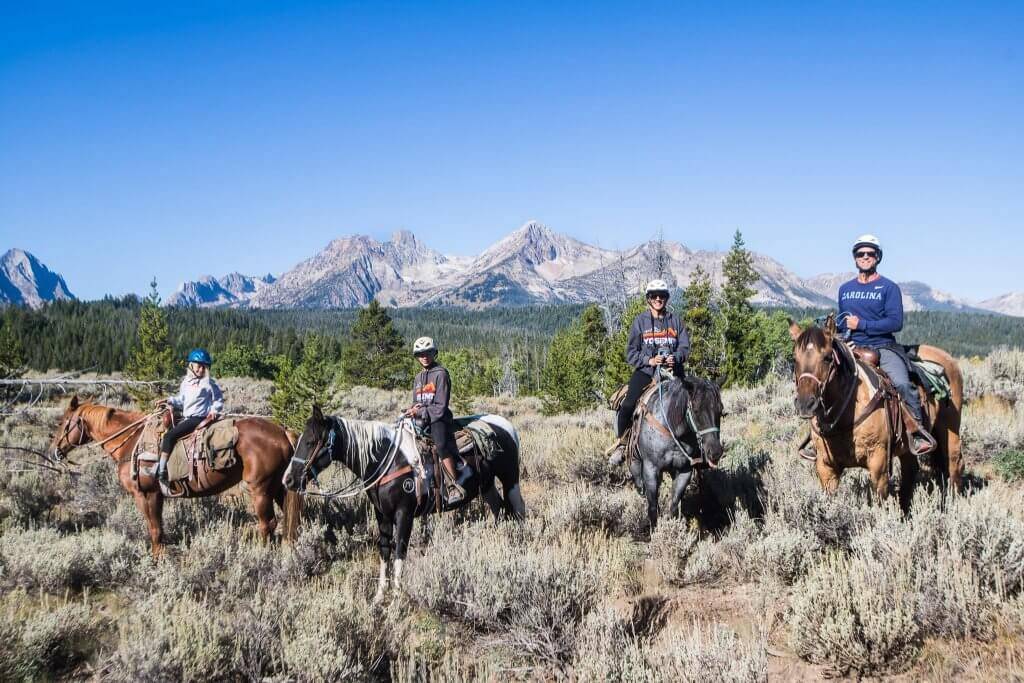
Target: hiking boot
(455, 494)
(161, 474)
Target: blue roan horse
(385, 460)
(683, 423)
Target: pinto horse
(371, 451)
(263, 451)
(851, 427)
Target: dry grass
(579, 591)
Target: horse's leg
(263, 507)
(828, 475)
(514, 504)
(494, 501)
(385, 528)
(151, 505)
(679, 484)
(652, 480)
(878, 472)
(949, 445)
(403, 530)
(636, 470)
(908, 480)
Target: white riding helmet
(423, 345)
(656, 286)
(868, 240)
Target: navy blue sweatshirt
(648, 335)
(879, 305)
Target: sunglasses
(662, 297)
(866, 254)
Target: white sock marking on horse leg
(382, 581)
(397, 574)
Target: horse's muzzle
(806, 407)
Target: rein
(830, 428)
(358, 486)
(690, 421)
(80, 422)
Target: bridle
(690, 421)
(326, 444)
(836, 412)
(69, 425)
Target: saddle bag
(616, 399)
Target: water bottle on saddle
(200, 401)
(431, 393)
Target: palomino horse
(852, 428)
(263, 451)
(683, 420)
(371, 449)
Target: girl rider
(431, 392)
(656, 339)
(200, 401)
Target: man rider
(657, 339)
(871, 309)
(431, 393)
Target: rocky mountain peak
(25, 280)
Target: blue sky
(245, 136)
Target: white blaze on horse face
(810, 346)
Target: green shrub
(1009, 464)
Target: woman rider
(431, 392)
(200, 401)
(656, 339)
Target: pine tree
(298, 387)
(616, 370)
(375, 355)
(12, 353)
(703, 324)
(574, 369)
(152, 359)
(738, 313)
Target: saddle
(928, 375)
(642, 414)
(194, 458)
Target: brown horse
(263, 447)
(850, 429)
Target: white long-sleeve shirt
(198, 397)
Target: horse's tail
(292, 508)
(292, 515)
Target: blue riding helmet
(200, 356)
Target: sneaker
(618, 456)
(455, 494)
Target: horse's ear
(74, 403)
(794, 329)
(830, 326)
(318, 414)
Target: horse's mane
(101, 416)
(364, 438)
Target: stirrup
(808, 452)
(929, 443)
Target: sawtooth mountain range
(533, 265)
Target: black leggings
(186, 426)
(443, 436)
(637, 383)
